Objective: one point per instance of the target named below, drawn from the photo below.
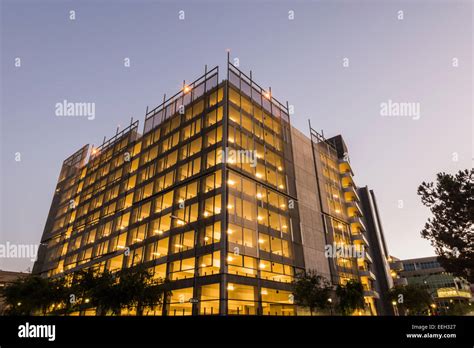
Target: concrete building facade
(221, 196)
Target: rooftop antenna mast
(228, 63)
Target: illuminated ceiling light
(266, 94)
(264, 292)
(258, 175)
(337, 211)
(158, 231)
(282, 205)
(262, 265)
(229, 231)
(178, 246)
(230, 287)
(335, 195)
(180, 222)
(284, 226)
(203, 265)
(231, 182)
(259, 195)
(87, 300)
(259, 218)
(280, 168)
(230, 258)
(229, 206)
(206, 214)
(120, 247)
(157, 254)
(261, 241)
(231, 140)
(206, 238)
(281, 187)
(187, 89)
(138, 240)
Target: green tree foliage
(450, 230)
(311, 290)
(107, 292)
(138, 289)
(350, 297)
(97, 288)
(459, 308)
(33, 294)
(411, 299)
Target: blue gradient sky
(82, 61)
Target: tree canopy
(450, 230)
(351, 297)
(311, 290)
(411, 299)
(107, 292)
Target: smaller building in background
(445, 288)
(396, 270)
(7, 277)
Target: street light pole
(395, 308)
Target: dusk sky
(424, 58)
